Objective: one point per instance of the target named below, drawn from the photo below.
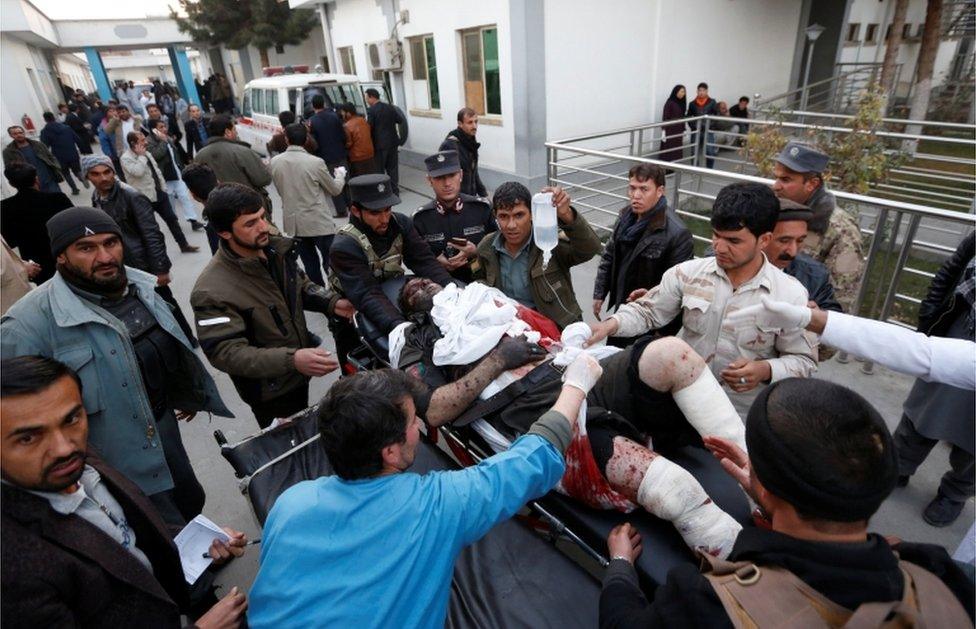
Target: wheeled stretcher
(585, 526)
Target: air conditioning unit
(385, 55)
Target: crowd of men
(99, 369)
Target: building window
(482, 86)
(853, 32)
(919, 30)
(423, 66)
(280, 50)
(326, 66)
(871, 34)
(347, 61)
(906, 31)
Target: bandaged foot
(707, 408)
(671, 493)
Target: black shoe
(942, 511)
(196, 225)
(903, 480)
(189, 248)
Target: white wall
(22, 95)
(74, 72)
(611, 65)
(866, 12)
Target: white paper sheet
(193, 541)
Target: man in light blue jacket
(105, 321)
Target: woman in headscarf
(674, 109)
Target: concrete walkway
(900, 515)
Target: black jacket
(467, 148)
(171, 169)
(194, 141)
(847, 574)
(388, 125)
(61, 571)
(145, 248)
(330, 135)
(23, 223)
(709, 109)
(474, 222)
(815, 277)
(350, 264)
(665, 243)
(62, 140)
(941, 306)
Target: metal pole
(806, 80)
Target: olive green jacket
(552, 288)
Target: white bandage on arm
(709, 411)
(671, 493)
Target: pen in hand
(253, 541)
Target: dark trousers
(282, 406)
(118, 168)
(362, 167)
(309, 248)
(212, 238)
(72, 166)
(957, 484)
(346, 340)
(163, 207)
(389, 162)
(167, 294)
(185, 500)
(341, 200)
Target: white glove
(583, 373)
(340, 172)
(774, 314)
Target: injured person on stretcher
(483, 357)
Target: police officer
(373, 247)
(453, 223)
(834, 238)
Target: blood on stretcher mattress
(510, 578)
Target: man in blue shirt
(330, 135)
(24, 149)
(375, 545)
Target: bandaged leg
(709, 411)
(671, 493)
(669, 364)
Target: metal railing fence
(906, 239)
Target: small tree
(859, 159)
(239, 23)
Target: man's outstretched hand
(624, 542)
(601, 330)
(734, 461)
(773, 314)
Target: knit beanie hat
(91, 161)
(820, 477)
(69, 225)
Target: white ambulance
(266, 97)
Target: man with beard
(705, 290)
(463, 140)
(81, 544)
(371, 248)
(785, 252)
(134, 214)
(106, 321)
(250, 304)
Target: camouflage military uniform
(840, 247)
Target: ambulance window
(293, 100)
(246, 105)
(271, 103)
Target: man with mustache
(785, 251)
(105, 320)
(81, 544)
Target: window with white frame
(347, 60)
(479, 57)
(423, 70)
(871, 34)
(853, 33)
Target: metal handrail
(906, 121)
(798, 90)
(893, 232)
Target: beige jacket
(115, 128)
(14, 283)
(138, 174)
(306, 190)
(701, 291)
